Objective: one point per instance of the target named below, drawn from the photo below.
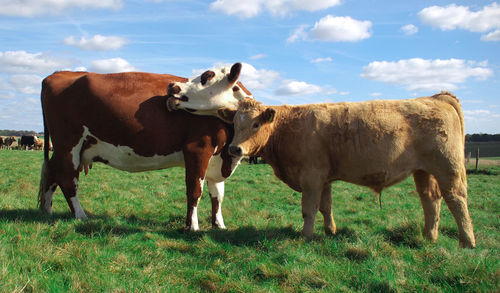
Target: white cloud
(97, 42)
(461, 17)
(296, 88)
(424, 74)
(409, 29)
(376, 95)
(249, 9)
(257, 79)
(24, 62)
(30, 8)
(111, 65)
(491, 37)
(299, 34)
(334, 29)
(320, 60)
(341, 29)
(25, 83)
(258, 56)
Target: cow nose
(235, 151)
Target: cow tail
(44, 176)
(455, 103)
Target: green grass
(134, 240)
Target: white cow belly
(124, 157)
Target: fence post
(477, 157)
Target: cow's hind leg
(454, 191)
(325, 208)
(47, 187)
(67, 178)
(216, 190)
(430, 197)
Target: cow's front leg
(216, 190)
(194, 188)
(311, 196)
(196, 158)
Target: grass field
(134, 240)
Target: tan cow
(374, 144)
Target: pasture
(134, 240)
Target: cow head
(253, 124)
(205, 94)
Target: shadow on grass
(36, 215)
(32, 215)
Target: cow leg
(216, 190)
(67, 178)
(194, 189)
(196, 160)
(454, 192)
(430, 198)
(47, 187)
(325, 208)
(311, 196)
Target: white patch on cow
(215, 150)
(125, 158)
(194, 218)
(75, 151)
(79, 213)
(214, 170)
(202, 181)
(216, 190)
(48, 196)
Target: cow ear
(269, 115)
(233, 75)
(226, 114)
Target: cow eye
(255, 125)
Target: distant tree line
(482, 137)
(6, 132)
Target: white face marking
(124, 157)
(215, 94)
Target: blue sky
(293, 51)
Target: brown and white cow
(10, 142)
(121, 120)
(374, 144)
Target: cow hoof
(219, 227)
(470, 245)
(82, 217)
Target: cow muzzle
(235, 151)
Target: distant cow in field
(1, 142)
(39, 144)
(121, 120)
(10, 142)
(27, 142)
(374, 144)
